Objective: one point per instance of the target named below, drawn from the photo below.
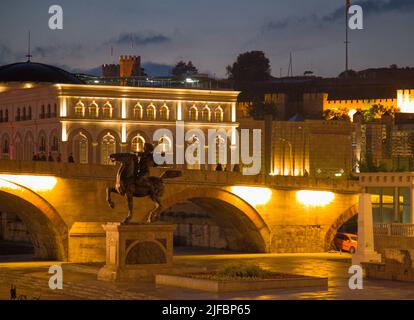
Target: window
(1, 115)
(107, 111)
(29, 113)
(55, 144)
(138, 112)
(49, 111)
(108, 146)
(79, 109)
(193, 113)
(218, 114)
(165, 144)
(164, 112)
(81, 148)
(18, 114)
(137, 143)
(6, 116)
(151, 115)
(42, 144)
(206, 114)
(24, 113)
(93, 110)
(195, 143)
(6, 146)
(42, 111)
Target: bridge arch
(48, 231)
(227, 209)
(342, 219)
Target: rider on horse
(146, 160)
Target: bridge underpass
(256, 213)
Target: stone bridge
(265, 213)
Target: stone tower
(129, 66)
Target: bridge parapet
(94, 171)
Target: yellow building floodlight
(314, 198)
(253, 195)
(35, 183)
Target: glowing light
(351, 113)
(296, 172)
(64, 133)
(63, 107)
(123, 133)
(233, 112)
(314, 198)
(28, 85)
(405, 101)
(179, 111)
(36, 183)
(124, 108)
(253, 195)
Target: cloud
(139, 39)
(370, 7)
(56, 51)
(6, 55)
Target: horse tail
(171, 174)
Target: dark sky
(209, 32)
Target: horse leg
(154, 212)
(130, 200)
(108, 196)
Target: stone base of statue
(137, 251)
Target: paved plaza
(79, 281)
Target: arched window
(49, 110)
(42, 111)
(108, 146)
(218, 114)
(79, 109)
(6, 146)
(220, 149)
(107, 111)
(164, 112)
(29, 113)
(137, 143)
(197, 165)
(138, 112)
(55, 144)
(6, 116)
(165, 144)
(151, 112)
(193, 113)
(24, 114)
(42, 144)
(81, 148)
(206, 114)
(1, 116)
(18, 114)
(93, 110)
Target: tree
(183, 69)
(259, 109)
(250, 67)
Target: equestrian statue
(133, 180)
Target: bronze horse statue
(128, 184)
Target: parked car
(346, 242)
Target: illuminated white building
(44, 109)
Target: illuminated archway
(342, 219)
(228, 210)
(48, 230)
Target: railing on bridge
(394, 229)
(226, 178)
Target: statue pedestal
(137, 251)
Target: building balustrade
(394, 229)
